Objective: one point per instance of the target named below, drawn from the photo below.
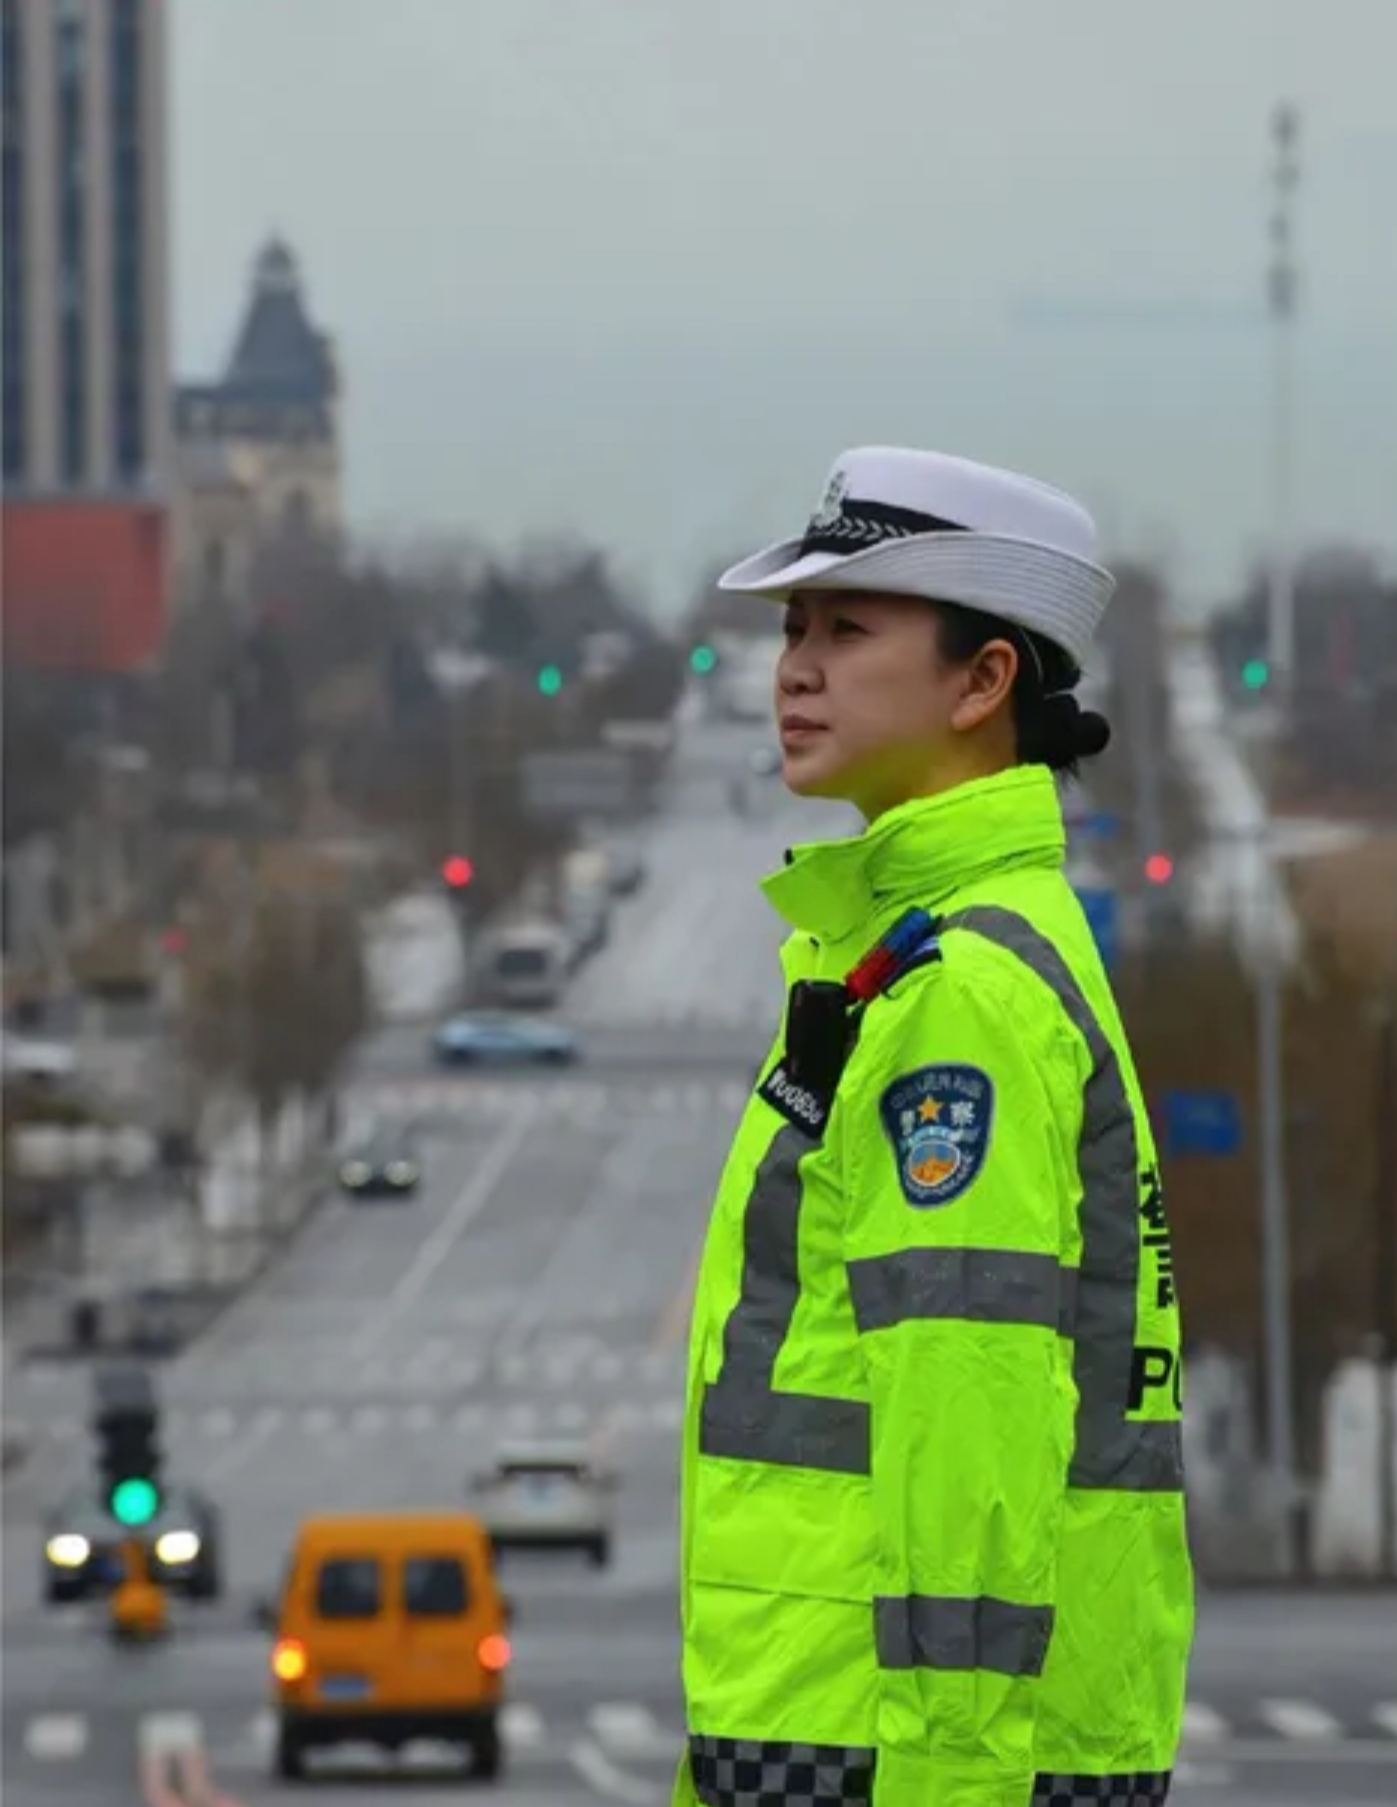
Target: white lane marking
(157, 1733)
(468, 1204)
(317, 1420)
(55, 1737)
(628, 1729)
(603, 1777)
(240, 1448)
(1385, 1714)
(1309, 1755)
(1300, 1719)
(1202, 1725)
(522, 1725)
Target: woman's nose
(797, 673)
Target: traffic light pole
(1275, 1220)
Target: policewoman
(933, 1549)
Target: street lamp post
(1282, 286)
(1270, 977)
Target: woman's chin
(806, 774)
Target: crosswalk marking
(634, 1730)
(521, 1725)
(159, 1733)
(55, 1736)
(1202, 1724)
(582, 1100)
(631, 1729)
(1300, 1719)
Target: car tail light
(288, 1660)
(494, 1652)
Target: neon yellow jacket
(933, 1548)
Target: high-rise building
(86, 381)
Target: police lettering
(1156, 1238)
(796, 1103)
(1151, 1369)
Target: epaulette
(911, 941)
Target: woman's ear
(988, 679)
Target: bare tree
(1190, 1011)
(276, 995)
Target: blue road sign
(1207, 1123)
(1104, 918)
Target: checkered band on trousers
(748, 1772)
(1148, 1788)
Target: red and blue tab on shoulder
(911, 941)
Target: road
(538, 1285)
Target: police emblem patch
(938, 1120)
(831, 502)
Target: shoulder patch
(938, 1120)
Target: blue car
(489, 1040)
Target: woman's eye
(846, 627)
(791, 631)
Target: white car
(548, 1496)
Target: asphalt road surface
(538, 1285)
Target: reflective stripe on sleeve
(932, 1631)
(981, 1286)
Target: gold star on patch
(929, 1110)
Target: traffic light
(550, 680)
(1256, 674)
(702, 660)
(457, 871)
(127, 1423)
(1159, 868)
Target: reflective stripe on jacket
(933, 1548)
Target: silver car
(548, 1496)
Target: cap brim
(1051, 592)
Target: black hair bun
(1068, 732)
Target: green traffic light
(1256, 674)
(134, 1501)
(550, 680)
(702, 660)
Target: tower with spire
(259, 447)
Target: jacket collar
(922, 852)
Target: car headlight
(68, 1550)
(177, 1546)
(401, 1173)
(354, 1173)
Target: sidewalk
(415, 958)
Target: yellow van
(390, 1627)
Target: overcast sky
(638, 269)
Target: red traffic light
(457, 871)
(1159, 868)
